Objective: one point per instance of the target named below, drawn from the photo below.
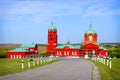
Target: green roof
(19, 50)
(68, 45)
(52, 27)
(29, 45)
(101, 47)
(23, 47)
(90, 30)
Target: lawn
(107, 73)
(8, 66)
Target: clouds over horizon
(41, 11)
(31, 18)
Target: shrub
(114, 52)
(3, 53)
(43, 54)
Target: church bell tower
(90, 36)
(52, 40)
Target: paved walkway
(71, 69)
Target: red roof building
(88, 47)
(25, 51)
(55, 49)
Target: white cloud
(38, 11)
(101, 9)
(41, 11)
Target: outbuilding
(25, 51)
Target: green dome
(52, 27)
(90, 30)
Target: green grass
(107, 73)
(8, 66)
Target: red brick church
(88, 47)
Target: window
(57, 53)
(19, 56)
(51, 37)
(72, 53)
(75, 53)
(11, 56)
(65, 53)
(14, 56)
(60, 53)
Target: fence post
(29, 63)
(44, 60)
(22, 64)
(41, 61)
(104, 60)
(110, 63)
(33, 62)
(107, 62)
(37, 62)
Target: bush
(43, 54)
(3, 53)
(114, 52)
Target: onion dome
(90, 30)
(52, 27)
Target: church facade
(90, 44)
(88, 47)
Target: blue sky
(26, 21)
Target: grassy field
(107, 73)
(8, 66)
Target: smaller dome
(90, 30)
(52, 27)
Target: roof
(68, 45)
(101, 47)
(90, 30)
(29, 45)
(19, 50)
(24, 47)
(52, 27)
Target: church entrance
(51, 53)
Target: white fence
(37, 61)
(105, 61)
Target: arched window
(57, 53)
(65, 53)
(75, 53)
(19, 56)
(51, 37)
(72, 53)
(11, 56)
